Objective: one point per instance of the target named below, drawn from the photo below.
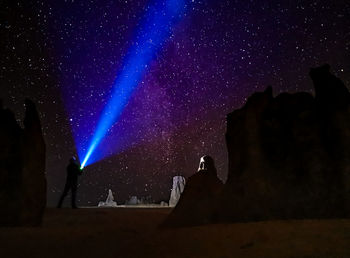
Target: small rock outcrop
(109, 201)
(133, 201)
(177, 189)
(22, 169)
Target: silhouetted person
(73, 171)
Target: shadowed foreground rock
(289, 157)
(195, 205)
(22, 169)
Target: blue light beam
(158, 22)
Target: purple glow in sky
(65, 55)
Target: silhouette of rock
(289, 158)
(177, 189)
(285, 154)
(195, 205)
(330, 91)
(22, 169)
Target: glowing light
(157, 26)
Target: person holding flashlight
(73, 171)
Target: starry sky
(65, 55)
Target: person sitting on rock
(73, 171)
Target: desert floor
(130, 232)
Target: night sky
(66, 55)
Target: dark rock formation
(289, 156)
(22, 169)
(195, 205)
(330, 91)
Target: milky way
(65, 56)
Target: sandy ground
(123, 232)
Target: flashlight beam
(158, 23)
